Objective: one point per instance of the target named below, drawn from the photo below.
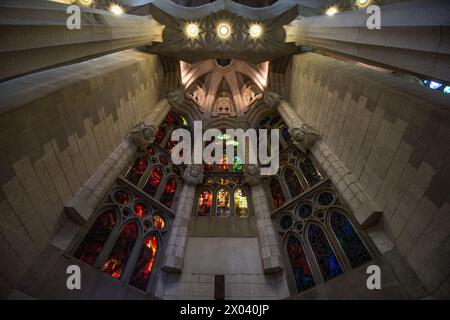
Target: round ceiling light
(224, 30)
(332, 11)
(192, 30)
(116, 9)
(255, 31)
(362, 3)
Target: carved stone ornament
(251, 174)
(176, 98)
(193, 174)
(304, 136)
(143, 134)
(272, 99)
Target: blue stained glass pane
(326, 259)
(300, 267)
(356, 252)
(291, 178)
(447, 90)
(285, 134)
(435, 85)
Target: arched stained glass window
(137, 170)
(300, 267)
(160, 134)
(205, 203)
(223, 203)
(154, 179)
(241, 203)
(121, 251)
(356, 252)
(169, 192)
(293, 182)
(143, 268)
(312, 175)
(326, 259)
(96, 237)
(276, 191)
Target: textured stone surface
(392, 139)
(56, 129)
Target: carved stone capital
(143, 134)
(193, 175)
(176, 98)
(272, 99)
(251, 174)
(304, 136)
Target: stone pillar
(35, 35)
(302, 134)
(305, 137)
(267, 239)
(176, 246)
(413, 36)
(81, 207)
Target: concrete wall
(56, 128)
(394, 138)
(238, 259)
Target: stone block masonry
(386, 140)
(56, 128)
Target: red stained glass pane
(150, 151)
(158, 222)
(171, 118)
(277, 193)
(160, 134)
(141, 210)
(170, 145)
(204, 203)
(163, 160)
(169, 192)
(95, 239)
(144, 264)
(151, 187)
(137, 170)
(121, 197)
(121, 252)
(300, 267)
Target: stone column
(302, 134)
(176, 246)
(35, 35)
(267, 239)
(81, 207)
(305, 137)
(413, 36)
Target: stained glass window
(356, 252)
(204, 203)
(121, 251)
(141, 210)
(143, 268)
(240, 203)
(292, 180)
(278, 197)
(158, 222)
(326, 259)
(160, 134)
(96, 237)
(137, 170)
(299, 264)
(154, 179)
(121, 197)
(223, 203)
(169, 192)
(312, 175)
